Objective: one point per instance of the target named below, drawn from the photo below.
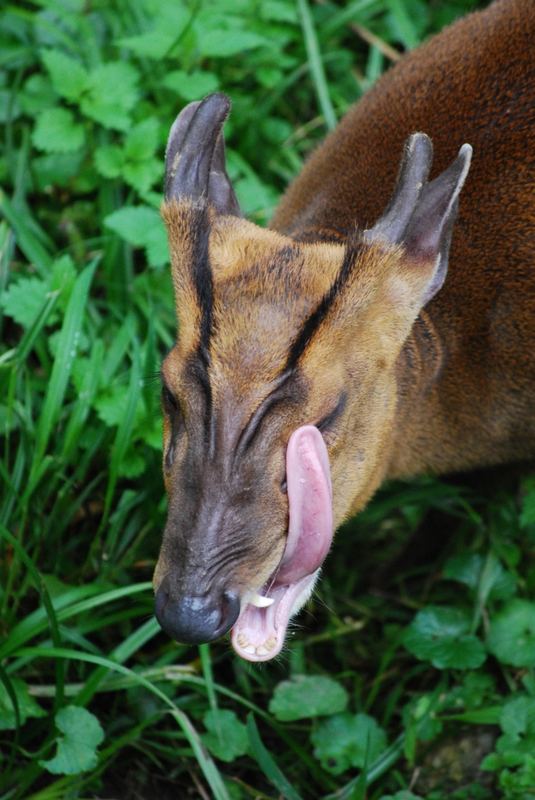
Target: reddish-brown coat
(467, 373)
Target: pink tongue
(310, 503)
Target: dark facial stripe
(203, 282)
(315, 319)
(202, 277)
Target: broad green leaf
(511, 638)
(481, 574)
(141, 226)
(110, 405)
(77, 748)
(37, 94)
(279, 11)
(192, 85)
(134, 223)
(170, 23)
(142, 140)
(227, 737)
(109, 160)
(57, 132)
(305, 696)
(56, 169)
(154, 44)
(23, 300)
(143, 174)
(69, 78)
(28, 707)
(112, 93)
(441, 635)
(220, 43)
(517, 722)
(132, 464)
(347, 740)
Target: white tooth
(249, 649)
(259, 601)
(261, 650)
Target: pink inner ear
(310, 531)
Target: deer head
(279, 396)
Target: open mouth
(260, 629)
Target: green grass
(422, 632)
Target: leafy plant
(94, 699)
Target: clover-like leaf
(517, 722)
(512, 634)
(305, 696)
(227, 737)
(77, 748)
(191, 85)
(112, 93)
(57, 131)
(69, 77)
(109, 160)
(485, 575)
(347, 740)
(441, 635)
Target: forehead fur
(264, 287)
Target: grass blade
(66, 352)
(267, 763)
(316, 64)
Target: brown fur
(445, 388)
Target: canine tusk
(259, 601)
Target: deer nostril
(195, 619)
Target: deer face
(280, 393)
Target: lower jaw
(259, 633)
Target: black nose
(195, 619)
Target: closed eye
(328, 422)
(172, 409)
(169, 401)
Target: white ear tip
(466, 152)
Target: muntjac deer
(331, 352)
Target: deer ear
(195, 156)
(421, 215)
